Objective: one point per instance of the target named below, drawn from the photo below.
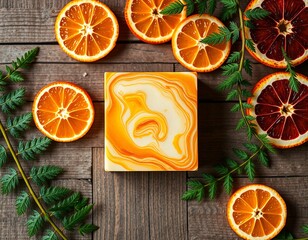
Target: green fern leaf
(230, 81)
(229, 69)
(208, 177)
(19, 124)
(241, 123)
(235, 108)
(69, 223)
(173, 8)
(50, 235)
(232, 163)
(263, 158)
(42, 175)
(249, 24)
(284, 235)
(3, 156)
(189, 195)
(16, 76)
(28, 150)
(234, 57)
(248, 67)
(211, 6)
(26, 59)
(9, 181)
(202, 6)
(235, 32)
(224, 35)
(212, 190)
(233, 94)
(87, 229)
(22, 203)
(51, 195)
(68, 203)
(221, 169)
(10, 101)
(190, 7)
(305, 228)
(253, 148)
(240, 154)
(250, 170)
(293, 81)
(35, 223)
(249, 43)
(228, 183)
(257, 13)
(81, 203)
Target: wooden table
(147, 205)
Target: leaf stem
(31, 191)
(237, 168)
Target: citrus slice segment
(256, 212)
(286, 27)
(279, 111)
(145, 21)
(191, 52)
(87, 30)
(63, 111)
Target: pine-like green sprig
(3, 155)
(51, 195)
(22, 203)
(30, 149)
(42, 175)
(257, 13)
(50, 235)
(87, 229)
(82, 203)
(18, 124)
(35, 223)
(67, 204)
(173, 8)
(293, 81)
(10, 101)
(9, 181)
(77, 218)
(229, 9)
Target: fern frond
(87, 229)
(22, 203)
(50, 235)
(19, 124)
(9, 181)
(35, 223)
(3, 156)
(42, 175)
(68, 203)
(10, 101)
(51, 195)
(173, 8)
(70, 223)
(28, 150)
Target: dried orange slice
(86, 30)
(286, 27)
(279, 111)
(256, 212)
(63, 111)
(145, 21)
(191, 52)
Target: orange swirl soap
(151, 121)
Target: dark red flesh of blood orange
(286, 26)
(281, 112)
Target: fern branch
(28, 150)
(18, 124)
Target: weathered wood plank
(122, 53)
(88, 76)
(14, 227)
(217, 138)
(207, 220)
(168, 214)
(121, 202)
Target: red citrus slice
(279, 111)
(286, 27)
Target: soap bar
(151, 121)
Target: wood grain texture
(138, 205)
(207, 220)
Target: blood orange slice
(279, 111)
(286, 27)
